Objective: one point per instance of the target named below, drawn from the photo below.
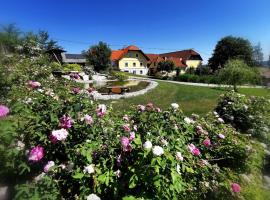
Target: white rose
(175, 106)
(158, 151)
(92, 197)
(188, 120)
(147, 145)
(90, 169)
(179, 156)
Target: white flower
(20, 145)
(188, 120)
(245, 107)
(90, 169)
(60, 134)
(147, 145)
(175, 106)
(164, 142)
(49, 165)
(39, 177)
(229, 102)
(118, 173)
(158, 150)
(220, 120)
(179, 156)
(178, 169)
(92, 197)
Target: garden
(57, 143)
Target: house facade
(130, 59)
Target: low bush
(72, 67)
(120, 76)
(249, 115)
(210, 79)
(145, 153)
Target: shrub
(247, 114)
(72, 67)
(120, 76)
(108, 154)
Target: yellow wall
(193, 63)
(131, 58)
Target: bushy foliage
(120, 76)
(247, 114)
(167, 66)
(98, 56)
(145, 153)
(237, 72)
(197, 78)
(231, 48)
(72, 67)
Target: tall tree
(99, 56)
(10, 38)
(231, 48)
(269, 61)
(257, 54)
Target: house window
(155, 63)
(126, 64)
(134, 71)
(141, 72)
(137, 55)
(134, 64)
(141, 64)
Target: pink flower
(235, 187)
(91, 89)
(48, 166)
(66, 122)
(149, 106)
(3, 111)
(76, 90)
(221, 136)
(131, 136)
(36, 154)
(158, 110)
(33, 84)
(101, 110)
(125, 142)
(194, 150)
(88, 119)
(126, 127)
(58, 135)
(207, 142)
(200, 130)
(74, 76)
(141, 107)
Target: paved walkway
(200, 84)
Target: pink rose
(141, 107)
(221, 136)
(196, 152)
(36, 154)
(235, 187)
(3, 111)
(131, 136)
(66, 122)
(101, 110)
(207, 143)
(33, 84)
(58, 135)
(126, 127)
(88, 119)
(49, 165)
(76, 90)
(125, 142)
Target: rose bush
(84, 148)
(249, 115)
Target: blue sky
(156, 26)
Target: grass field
(192, 99)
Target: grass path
(192, 99)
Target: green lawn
(192, 99)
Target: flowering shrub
(84, 149)
(247, 114)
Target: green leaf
(78, 175)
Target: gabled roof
(157, 58)
(118, 54)
(184, 54)
(73, 58)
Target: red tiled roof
(177, 61)
(185, 54)
(118, 54)
(157, 58)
